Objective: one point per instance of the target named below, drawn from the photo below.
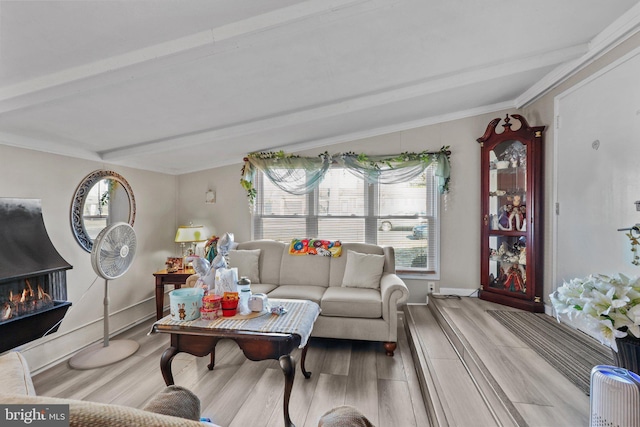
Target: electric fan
(112, 254)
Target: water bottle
(244, 289)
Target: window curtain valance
(300, 175)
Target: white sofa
(348, 312)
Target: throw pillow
(363, 270)
(246, 261)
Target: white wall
(542, 112)
(53, 179)
(460, 233)
(598, 185)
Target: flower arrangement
(607, 306)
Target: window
(346, 208)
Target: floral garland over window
(300, 175)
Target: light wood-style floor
(484, 376)
(480, 374)
(242, 393)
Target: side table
(163, 278)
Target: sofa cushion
(352, 302)
(363, 270)
(304, 270)
(262, 288)
(247, 263)
(270, 258)
(16, 374)
(311, 293)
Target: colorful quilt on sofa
(315, 247)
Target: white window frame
(371, 194)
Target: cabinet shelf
(507, 233)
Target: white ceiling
(180, 86)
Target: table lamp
(191, 234)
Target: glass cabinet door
(507, 216)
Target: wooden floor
(476, 373)
(471, 371)
(242, 393)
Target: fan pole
(105, 302)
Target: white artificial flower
(609, 333)
(609, 306)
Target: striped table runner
(298, 319)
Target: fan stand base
(97, 355)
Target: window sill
(418, 275)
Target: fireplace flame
(25, 302)
(5, 313)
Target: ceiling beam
(371, 100)
(159, 57)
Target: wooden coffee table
(264, 337)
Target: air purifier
(615, 397)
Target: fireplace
(33, 284)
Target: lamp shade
(191, 233)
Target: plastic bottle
(244, 289)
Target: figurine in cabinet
(514, 281)
(512, 216)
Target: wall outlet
(431, 287)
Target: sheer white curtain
(300, 175)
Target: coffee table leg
(165, 364)
(213, 359)
(288, 367)
(302, 359)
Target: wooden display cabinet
(511, 218)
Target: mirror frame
(80, 197)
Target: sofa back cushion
(247, 261)
(304, 269)
(338, 264)
(270, 259)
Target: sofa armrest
(393, 291)
(16, 374)
(85, 414)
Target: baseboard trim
(49, 351)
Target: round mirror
(102, 198)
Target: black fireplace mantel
(30, 269)
(25, 247)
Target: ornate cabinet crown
(511, 218)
